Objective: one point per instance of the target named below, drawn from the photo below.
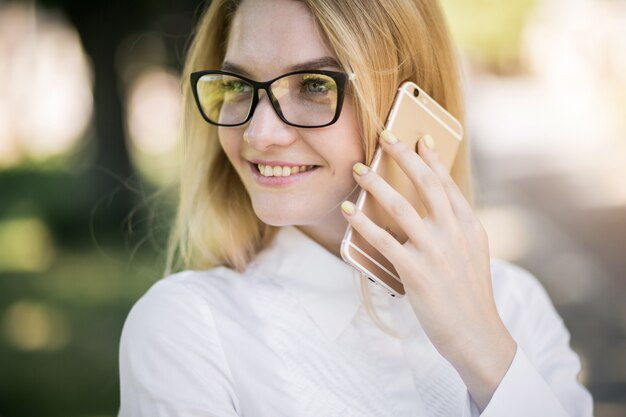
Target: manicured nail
(348, 207)
(388, 137)
(429, 141)
(359, 168)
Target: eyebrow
(318, 63)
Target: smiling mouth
(282, 171)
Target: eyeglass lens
(303, 99)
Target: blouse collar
(326, 286)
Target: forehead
(267, 37)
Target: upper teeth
(278, 171)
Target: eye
(235, 86)
(315, 84)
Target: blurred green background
(89, 96)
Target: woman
(266, 319)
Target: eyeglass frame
(341, 79)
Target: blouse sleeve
(542, 378)
(171, 360)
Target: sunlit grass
(490, 31)
(59, 330)
(25, 245)
(98, 277)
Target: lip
(278, 181)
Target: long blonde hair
(383, 41)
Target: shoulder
(182, 302)
(546, 364)
(171, 354)
(524, 304)
(511, 280)
(519, 294)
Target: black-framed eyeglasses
(308, 98)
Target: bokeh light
(32, 326)
(152, 117)
(26, 245)
(153, 111)
(510, 231)
(46, 99)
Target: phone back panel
(409, 119)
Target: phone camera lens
(416, 92)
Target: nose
(265, 129)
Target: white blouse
(290, 337)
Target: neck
(328, 234)
(329, 231)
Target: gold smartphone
(413, 115)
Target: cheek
(230, 141)
(351, 141)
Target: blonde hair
(383, 41)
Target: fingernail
(359, 168)
(388, 137)
(429, 141)
(348, 207)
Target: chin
(304, 213)
(280, 223)
(278, 219)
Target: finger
(460, 206)
(427, 183)
(394, 203)
(379, 238)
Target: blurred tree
(86, 285)
(103, 25)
